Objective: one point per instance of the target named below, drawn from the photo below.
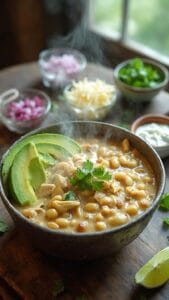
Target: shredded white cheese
(94, 94)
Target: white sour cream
(155, 134)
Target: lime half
(156, 271)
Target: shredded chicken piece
(64, 206)
(46, 189)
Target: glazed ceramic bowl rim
(159, 66)
(36, 92)
(150, 118)
(89, 234)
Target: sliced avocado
(47, 159)
(37, 173)
(53, 138)
(55, 151)
(27, 173)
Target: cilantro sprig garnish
(69, 196)
(90, 178)
(164, 202)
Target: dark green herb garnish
(3, 227)
(58, 287)
(166, 221)
(140, 74)
(90, 178)
(164, 203)
(69, 196)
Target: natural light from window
(148, 22)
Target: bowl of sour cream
(154, 130)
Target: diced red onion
(25, 110)
(67, 63)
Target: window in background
(106, 16)
(147, 22)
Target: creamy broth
(128, 193)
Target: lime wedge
(156, 271)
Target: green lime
(156, 271)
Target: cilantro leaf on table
(166, 221)
(164, 202)
(3, 227)
(90, 178)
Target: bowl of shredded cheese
(90, 99)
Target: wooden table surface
(111, 277)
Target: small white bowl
(163, 151)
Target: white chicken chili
(107, 185)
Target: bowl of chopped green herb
(140, 79)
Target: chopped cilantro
(97, 185)
(90, 178)
(164, 203)
(87, 166)
(101, 174)
(3, 227)
(69, 196)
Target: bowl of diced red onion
(59, 66)
(22, 111)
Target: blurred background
(105, 31)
